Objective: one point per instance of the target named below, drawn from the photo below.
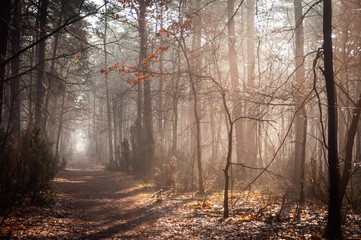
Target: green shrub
(12, 172)
(40, 161)
(27, 166)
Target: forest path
(108, 207)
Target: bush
(41, 163)
(165, 166)
(12, 172)
(138, 159)
(27, 166)
(111, 166)
(164, 176)
(184, 171)
(317, 183)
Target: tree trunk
(333, 227)
(5, 9)
(350, 139)
(226, 174)
(195, 81)
(15, 64)
(300, 137)
(107, 92)
(160, 100)
(303, 162)
(60, 127)
(147, 114)
(39, 101)
(240, 144)
(251, 126)
(115, 133)
(121, 120)
(175, 106)
(51, 78)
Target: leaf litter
(253, 215)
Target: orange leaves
(138, 74)
(125, 3)
(164, 31)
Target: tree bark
(147, 114)
(240, 143)
(39, 101)
(5, 9)
(350, 139)
(15, 64)
(226, 174)
(60, 127)
(175, 106)
(107, 92)
(251, 126)
(300, 137)
(333, 228)
(51, 79)
(195, 81)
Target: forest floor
(91, 203)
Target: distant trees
(270, 62)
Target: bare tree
(232, 55)
(301, 118)
(107, 92)
(333, 229)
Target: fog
(191, 95)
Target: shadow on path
(108, 208)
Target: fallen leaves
(254, 215)
(33, 222)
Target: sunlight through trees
(193, 97)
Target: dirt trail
(106, 207)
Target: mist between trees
(192, 95)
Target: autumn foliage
(138, 74)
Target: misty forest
(183, 119)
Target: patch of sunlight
(66, 180)
(132, 182)
(88, 177)
(145, 195)
(59, 180)
(121, 176)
